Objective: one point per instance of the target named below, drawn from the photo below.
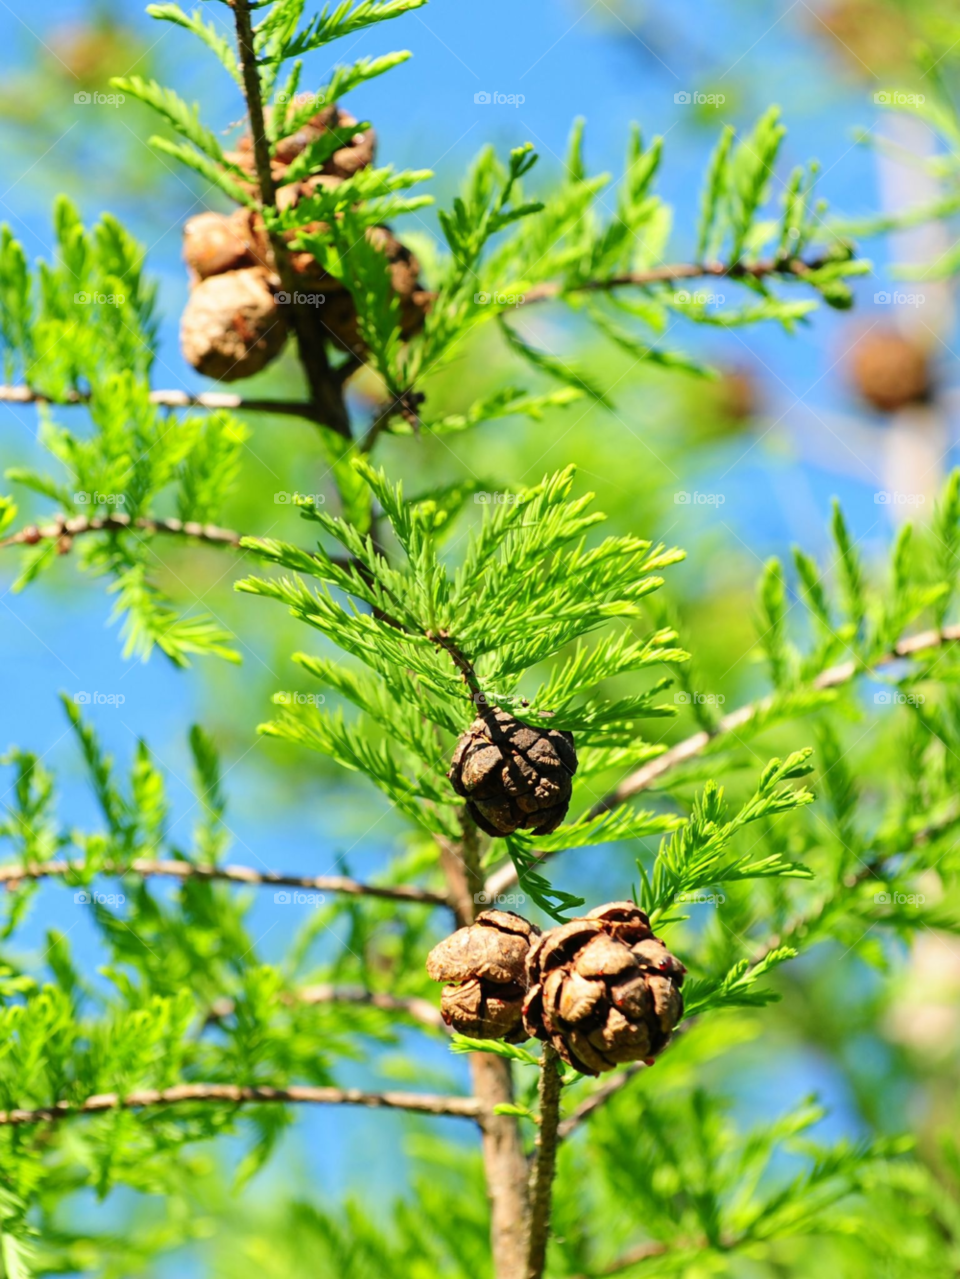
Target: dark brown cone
(603, 990)
(484, 966)
(513, 775)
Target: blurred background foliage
(790, 421)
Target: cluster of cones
(237, 317)
(601, 989)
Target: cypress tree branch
(12, 875)
(599, 1098)
(69, 527)
(832, 677)
(173, 399)
(545, 1163)
(674, 271)
(75, 525)
(691, 747)
(326, 388)
(238, 1094)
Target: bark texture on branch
(173, 399)
(238, 1094)
(544, 1164)
(12, 875)
(504, 1162)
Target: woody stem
(545, 1163)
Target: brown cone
(230, 330)
(513, 775)
(603, 990)
(231, 326)
(890, 371)
(484, 966)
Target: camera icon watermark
(85, 897)
(883, 298)
(484, 98)
(700, 899)
(294, 897)
(99, 299)
(683, 498)
(899, 899)
(86, 99)
(500, 299)
(82, 498)
(283, 498)
(692, 97)
(299, 299)
(894, 697)
(299, 699)
(300, 99)
(98, 699)
(888, 498)
(483, 898)
(496, 499)
(894, 98)
(699, 699)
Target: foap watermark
(499, 299)
(899, 899)
(894, 697)
(99, 699)
(483, 898)
(496, 499)
(86, 897)
(699, 699)
(488, 698)
(299, 699)
(889, 498)
(899, 299)
(894, 98)
(94, 98)
(683, 297)
(683, 498)
(300, 99)
(694, 98)
(99, 299)
(295, 898)
(496, 99)
(96, 498)
(283, 498)
(299, 299)
(700, 899)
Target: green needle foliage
(191, 1035)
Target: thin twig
(545, 1163)
(171, 399)
(672, 271)
(77, 525)
(691, 747)
(12, 875)
(598, 1099)
(424, 1103)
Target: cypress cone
(484, 966)
(603, 990)
(513, 774)
(231, 330)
